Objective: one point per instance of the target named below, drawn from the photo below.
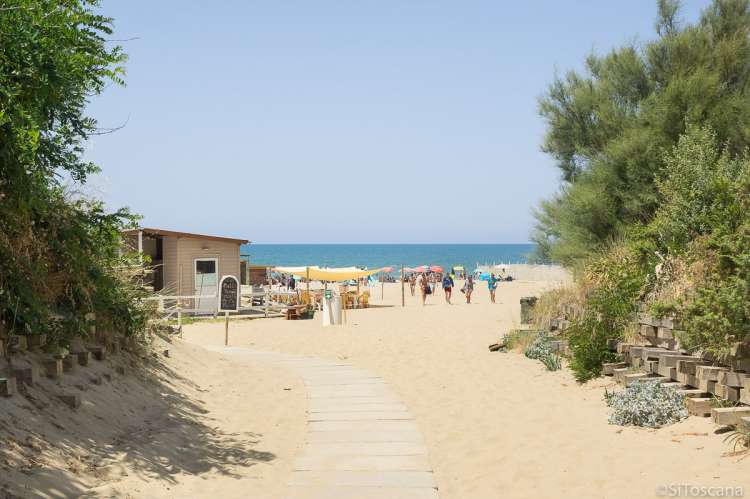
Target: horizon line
(387, 243)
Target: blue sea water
(382, 255)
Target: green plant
(540, 347)
(739, 437)
(646, 404)
(608, 125)
(613, 283)
(59, 251)
(518, 339)
(552, 362)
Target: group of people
(429, 282)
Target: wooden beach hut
(187, 264)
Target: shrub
(552, 362)
(541, 350)
(739, 437)
(646, 404)
(540, 347)
(613, 283)
(519, 339)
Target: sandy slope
(191, 425)
(498, 425)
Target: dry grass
(565, 302)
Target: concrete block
(672, 384)
(26, 375)
(629, 379)
(623, 348)
(7, 387)
(699, 406)
(609, 367)
(653, 379)
(36, 341)
(667, 372)
(662, 343)
(84, 358)
(693, 393)
(729, 415)
(733, 378)
(733, 393)
(72, 401)
(636, 351)
(650, 353)
(707, 385)
(671, 359)
(53, 368)
(619, 373)
(636, 362)
(709, 373)
(740, 350)
(612, 345)
(688, 365)
(664, 333)
(670, 322)
(648, 320)
(99, 352)
(647, 330)
(70, 363)
(651, 366)
(690, 380)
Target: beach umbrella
(436, 268)
(387, 270)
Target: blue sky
(365, 121)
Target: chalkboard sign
(229, 294)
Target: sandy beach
(495, 424)
(204, 423)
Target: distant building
(188, 264)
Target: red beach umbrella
(436, 268)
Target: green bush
(59, 252)
(613, 282)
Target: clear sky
(363, 121)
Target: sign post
(403, 299)
(229, 300)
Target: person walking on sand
(412, 283)
(469, 287)
(424, 287)
(448, 288)
(492, 286)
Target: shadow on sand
(150, 422)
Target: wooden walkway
(362, 442)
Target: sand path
(362, 441)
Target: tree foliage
(608, 128)
(59, 253)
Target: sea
(386, 255)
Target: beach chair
(363, 300)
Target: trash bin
(331, 309)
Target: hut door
(206, 284)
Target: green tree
(58, 253)
(609, 127)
